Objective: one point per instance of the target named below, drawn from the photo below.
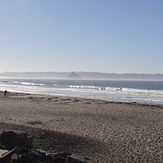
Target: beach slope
(100, 130)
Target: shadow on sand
(52, 141)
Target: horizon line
(82, 72)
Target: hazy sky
(114, 36)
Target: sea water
(148, 92)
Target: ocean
(148, 92)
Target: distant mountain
(81, 75)
(74, 75)
(46, 75)
(125, 76)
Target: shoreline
(104, 131)
(20, 94)
(144, 92)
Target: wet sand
(101, 130)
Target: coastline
(125, 91)
(102, 130)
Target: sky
(110, 36)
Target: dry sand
(103, 131)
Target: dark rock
(14, 158)
(24, 158)
(37, 155)
(19, 151)
(28, 142)
(2, 160)
(8, 155)
(59, 160)
(63, 154)
(75, 159)
(11, 139)
(49, 158)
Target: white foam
(27, 83)
(94, 92)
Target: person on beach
(5, 92)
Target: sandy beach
(100, 130)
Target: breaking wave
(27, 83)
(82, 89)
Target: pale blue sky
(113, 36)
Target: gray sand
(103, 131)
